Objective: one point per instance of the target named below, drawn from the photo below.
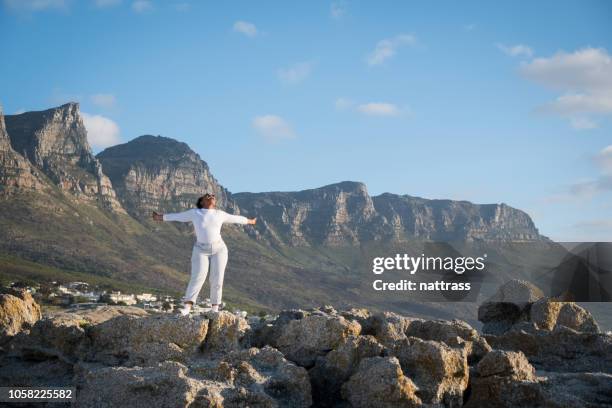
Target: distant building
(146, 297)
(117, 296)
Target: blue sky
(481, 101)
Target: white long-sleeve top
(206, 222)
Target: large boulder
(18, 311)
(506, 364)
(388, 327)
(440, 372)
(380, 383)
(131, 340)
(509, 305)
(335, 368)
(267, 371)
(548, 314)
(455, 333)
(165, 385)
(303, 340)
(504, 379)
(226, 332)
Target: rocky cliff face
(345, 214)
(159, 173)
(454, 220)
(15, 171)
(55, 141)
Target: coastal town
(81, 295)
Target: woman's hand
(157, 216)
(252, 221)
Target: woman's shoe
(184, 311)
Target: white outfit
(209, 249)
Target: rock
(499, 317)
(455, 333)
(388, 327)
(506, 364)
(575, 317)
(548, 314)
(593, 390)
(518, 292)
(561, 349)
(335, 368)
(58, 337)
(440, 372)
(282, 381)
(18, 371)
(508, 306)
(18, 311)
(226, 332)
(505, 379)
(380, 382)
(545, 312)
(303, 340)
(165, 385)
(130, 340)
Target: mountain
(55, 141)
(67, 214)
(345, 214)
(158, 173)
(15, 171)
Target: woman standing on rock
(209, 249)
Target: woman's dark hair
(204, 197)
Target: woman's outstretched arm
(237, 219)
(184, 216)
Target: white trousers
(203, 256)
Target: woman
(208, 249)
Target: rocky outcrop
(155, 173)
(18, 312)
(15, 171)
(345, 214)
(55, 142)
(117, 356)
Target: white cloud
(101, 131)
(35, 5)
(516, 50)
(586, 69)
(273, 128)
(295, 73)
(344, 103)
(387, 48)
(379, 109)
(338, 9)
(583, 77)
(105, 101)
(107, 3)
(246, 28)
(140, 6)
